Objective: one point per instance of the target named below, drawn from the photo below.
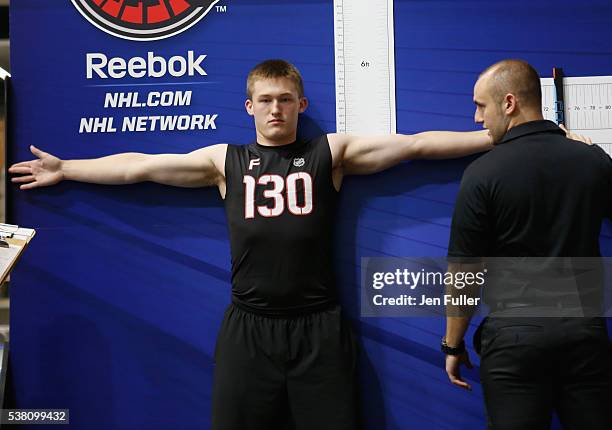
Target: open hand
(453, 364)
(44, 171)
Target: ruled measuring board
(588, 106)
(365, 66)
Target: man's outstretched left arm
(360, 155)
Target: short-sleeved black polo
(536, 194)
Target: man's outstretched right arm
(202, 167)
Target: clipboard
(19, 241)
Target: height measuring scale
(365, 66)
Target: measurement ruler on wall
(588, 106)
(365, 66)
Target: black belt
(557, 304)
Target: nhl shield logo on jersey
(299, 162)
(144, 19)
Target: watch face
(144, 19)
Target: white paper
(17, 232)
(8, 228)
(588, 106)
(7, 256)
(365, 66)
(24, 232)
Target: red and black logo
(144, 19)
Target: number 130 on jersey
(283, 194)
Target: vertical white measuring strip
(365, 66)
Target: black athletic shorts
(285, 373)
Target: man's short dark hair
(517, 77)
(272, 69)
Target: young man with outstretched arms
(283, 346)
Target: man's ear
(248, 105)
(510, 105)
(303, 104)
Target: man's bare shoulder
(337, 146)
(338, 138)
(214, 154)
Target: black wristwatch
(449, 350)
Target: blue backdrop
(116, 304)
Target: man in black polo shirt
(536, 194)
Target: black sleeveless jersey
(281, 206)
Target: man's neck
(524, 117)
(276, 142)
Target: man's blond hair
(273, 69)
